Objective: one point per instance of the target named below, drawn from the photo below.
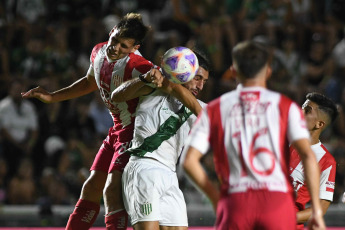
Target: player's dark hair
(325, 104)
(250, 57)
(132, 26)
(202, 59)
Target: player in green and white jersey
(151, 192)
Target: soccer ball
(179, 65)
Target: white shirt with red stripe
(110, 74)
(249, 130)
(327, 166)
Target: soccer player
(112, 63)
(249, 130)
(152, 196)
(319, 112)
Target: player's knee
(113, 183)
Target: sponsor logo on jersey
(249, 107)
(250, 96)
(330, 186)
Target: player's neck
(314, 137)
(255, 82)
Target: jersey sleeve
(142, 66)
(327, 180)
(297, 128)
(93, 55)
(90, 71)
(199, 135)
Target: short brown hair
(132, 26)
(250, 57)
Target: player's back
(254, 138)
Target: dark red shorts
(111, 155)
(256, 210)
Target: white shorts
(151, 193)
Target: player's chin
(111, 55)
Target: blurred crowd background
(46, 149)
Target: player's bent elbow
(117, 97)
(186, 164)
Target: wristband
(142, 78)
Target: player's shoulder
(137, 57)
(323, 155)
(330, 158)
(281, 98)
(96, 49)
(285, 104)
(136, 61)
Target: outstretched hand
(39, 93)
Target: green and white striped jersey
(162, 125)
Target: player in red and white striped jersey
(112, 63)
(249, 130)
(319, 112)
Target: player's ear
(320, 124)
(233, 71)
(135, 48)
(268, 71)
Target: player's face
(310, 111)
(198, 82)
(119, 47)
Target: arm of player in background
(79, 88)
(135, 88)
(304, 215)
(198, 176)
(312, 176)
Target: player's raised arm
(79, 88)
(135, 88)
(182, 94)
(146, 83)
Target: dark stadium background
(48, 43)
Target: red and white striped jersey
(109, 75)
(249, 130)
(327, 166)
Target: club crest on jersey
(146, 208)
(116, 80)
